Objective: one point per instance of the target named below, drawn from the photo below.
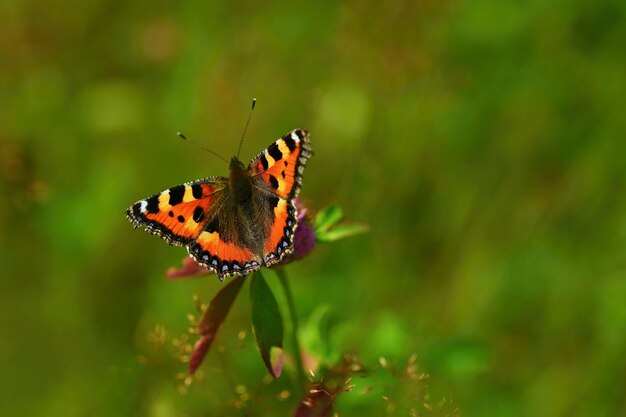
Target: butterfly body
(239, 181)
(237, 224)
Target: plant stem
(282, 277)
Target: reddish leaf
(212, 319)
(189, 269)
(199, 351)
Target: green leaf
(342, 231)
(319, 336)
(212, 319)
(267, 324)
(327, 217)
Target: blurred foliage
(480, 141)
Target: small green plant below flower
(317, 382)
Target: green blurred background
(483, 142)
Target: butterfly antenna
(180, 135)
(246, 128)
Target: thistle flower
(304, 239)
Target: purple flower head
(304, 239)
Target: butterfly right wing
(281, 165)
(278, 172)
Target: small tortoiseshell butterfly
(237, 224)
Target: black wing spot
(171, 213)
(196, 191)
(286, 163)
(198, 214)
(181, 219)
(283, 174)
(213, 226)
(153, 204)
(275, 152)
(291, 144)
(274, 182)
(274, 201)
(176, 194)
(264, 162)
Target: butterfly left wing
(178, 214)
(277, 171)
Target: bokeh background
(483, 143)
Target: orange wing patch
(280, 166)
(280, 235)
(177, 214)
(225, 258)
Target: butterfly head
(236, 166)
(239, 180)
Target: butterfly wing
(277, 171)
(178, 214)
(280, 166)
(212, 249)
(189, 214)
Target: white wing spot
(295, 137)
(143, 206)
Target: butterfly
(233, 225)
